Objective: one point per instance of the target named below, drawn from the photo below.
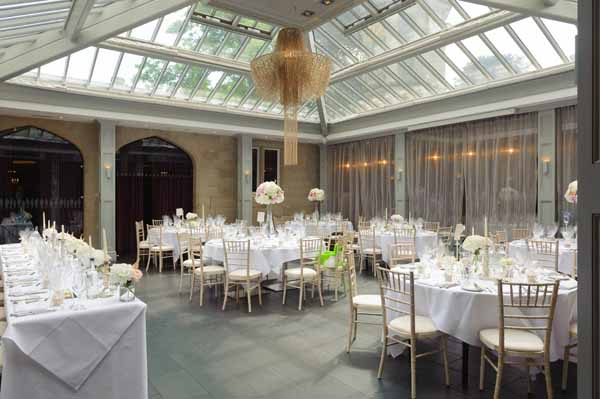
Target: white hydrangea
(475, 243)
(269, 193)
(316, 194)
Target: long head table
(95, 353)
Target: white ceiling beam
(428, 43)
(562, 10)
(114, 19)
(76, 19)
(174, 54)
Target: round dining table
(267, 255)
(463, 314)
(567, 253)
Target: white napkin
(568, 284)
(437, 283)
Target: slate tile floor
(279, 352)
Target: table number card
(260, 217)
(179, 212)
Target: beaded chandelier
(291, 75)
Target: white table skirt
(96, 353)
(424, 241)
(566, 254)
(169, 236)
(463, 314)
(265, 260)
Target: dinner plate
(472, 288)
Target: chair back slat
(431, 226)
(404, 234)
(397, 294)
(520, 234)
(544, 252)
(237, 255)
(366, 239)
(402, 252)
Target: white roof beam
(114, 19)
(561, 10)
(76, 19)
(173, 54)
(431, 42)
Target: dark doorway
(154, 178)
(39, 172)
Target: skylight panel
(400, 25)
(486, 57)
(54, 70)
(80, 65)
(231, 46)
(444, 69)
(510, 50)
(212, 41)
(536, 42)
(369, 42)
(445, 12)
(191, 36)
(460, 59)
(425, 74)
(251, 101)
(128, 70)
(381, 4)
(240, 92)
(334, 50)
(251, 50)
(170, 27)
(474, 10)
(170, 76)
(223, 91)
(411, 80)
(423, 20)
(149, 75)
(104, 69)
(353, 95)
(189, 82)
(210, 82)
(337, 36)
(144, 32)
(388, 38)
(564, 34)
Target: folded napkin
(24, 291)
(437, 283)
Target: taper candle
(44, 217)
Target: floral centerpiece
(397, 219)
(191, 216)
(126, 276)
(475, 244)
(571, 194)
(269, 194)
(317, 196)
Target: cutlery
(32, 312)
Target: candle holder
(106, 292)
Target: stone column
(108, 178)
(323, 173)
(244, 144)
(400, 174)
(547, 166)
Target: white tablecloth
(267, 256)
(424, 241)
(566, 253)
(169, 236)
(462, 314)
(96, 353)
(325, 228)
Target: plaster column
(108, 178)
(400, 174)
(547, 167)
(244, 203)
(323, 175)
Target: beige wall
(296, 181)
(84, 135)
(215, 166)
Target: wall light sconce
(108, 171)
(247, 176)
(400, 172)
(546, 165)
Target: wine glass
(79, 288)
(551, 230)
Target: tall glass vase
(269, 223)
(316, 212)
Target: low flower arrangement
(316, 194)
(475, 244)
(269, 193)
(191, 216)
(396, 218)
(125, 274)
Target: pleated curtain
(461, 173)
(566, 158)
(360, 178)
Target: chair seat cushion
(144, 244)
(573, 329)
(367, 302)
(240, 274)
(210, 270)
(423, 325)
(164, 247)
(372, 251)
(514, 340)
(188, 262)
(294, 273)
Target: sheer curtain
(361, 178)
(464, 172)
(566, 155)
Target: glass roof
(370, 29)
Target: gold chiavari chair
(368, 248)
(431, 226)
(214, 233)
(183, 239)
(160, 250)
(397, 297)
(361, 305)
(308, 272)
(544, 252)
(403, 252)
(520, 234)
(405, 234)
(143, 246)
(567, 354)
(209, 275)
(445, 235)
(364, 225)
(238, 272)
(500, 241)
(334, 273)
(525, 310)
(312, 229)
(158, 222)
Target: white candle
(90, 240)
(104, 242)
(386, 214)
(203, 213)
(62, 228)
(472, 231)
(44, 217)
(485, 226)
(54, 225)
